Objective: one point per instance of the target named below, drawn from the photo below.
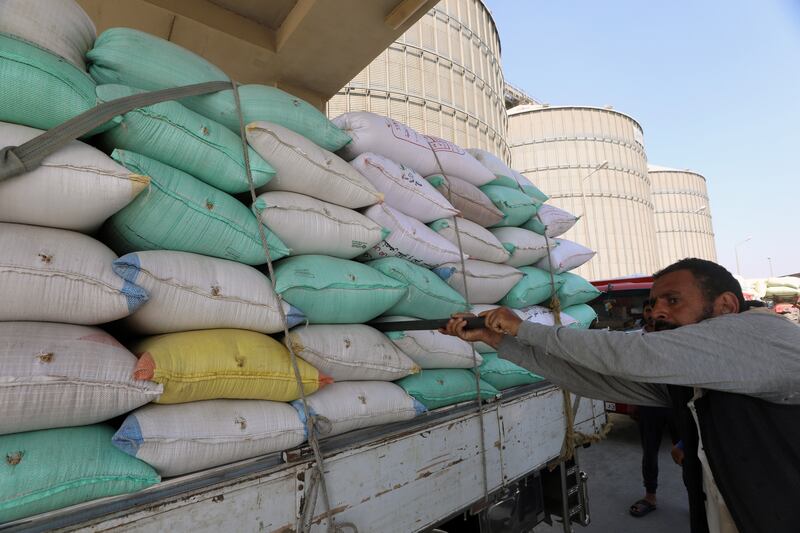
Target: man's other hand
(457, 328)
(677, 455)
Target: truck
(410, 476)
(506, 465)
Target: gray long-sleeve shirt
(755, 353)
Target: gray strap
(15, 160)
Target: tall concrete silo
(682, 215)
(591, 161)
(442, 77)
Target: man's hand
(457, 328)
(677, 455)
(502, 320)
(499, 322)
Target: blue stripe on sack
(294, 316)
(444, 272)
(135, 294)
(298, 406)
(128, 437)
(419, 408)
(127, 267)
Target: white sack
(60, 26)
(556, 220)
(409, 239)
(476, 241)
(350, 405)
(526, 247)
(310, 226)
(350, 352)
(404, 188)
(55, 275)
(566, 256)
(59, 375)
(77, 188)
(492, 162)
(487, 282)
(785, 281)
(187, 437)
(191, 291)
(400, 143)
(303, 167)
(431, 349)
(542, 315)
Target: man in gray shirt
(732, 375)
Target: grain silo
(591, 161)
(682, 215)
(442, 77)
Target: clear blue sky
(714, 83)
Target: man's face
(677, 300)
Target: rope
(475, 370)
(317, 474)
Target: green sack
(330, 290)
(535, 225)
(428, 296)
(160, 64)
(183, 139)
(138, 59)
(40, 89)
(575, 290)
(504, 181)
(534, 288)
(438, 388)
(270, 104)
(179, 212)
(517, 207)
(502, 374)
(583, 313)
(53, 468)
(534, 193)
(530, 190)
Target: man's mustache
(663, 325)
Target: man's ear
(726, 304)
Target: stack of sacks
(222, 399)
(535, 249)
(61, 378)
(214, 313)
(337, 296)
(786, 286)
(160, 64)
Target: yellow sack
(222, 363)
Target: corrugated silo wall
(682, 216)
(558, 147)
(442, 77)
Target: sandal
(641, 508)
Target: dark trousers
(652, 421)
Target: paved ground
(615, 482)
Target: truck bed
(400, 477)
